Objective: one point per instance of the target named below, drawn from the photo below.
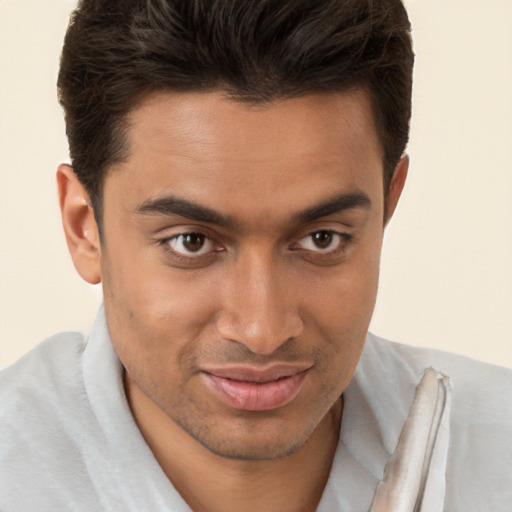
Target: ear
(80, 228)
(396, 186)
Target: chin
(252, 451)
(258, 441)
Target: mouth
(252, 389)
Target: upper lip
(260, 375)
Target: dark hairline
(255, 51)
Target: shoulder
(51, 363)
(479, 473)
(48, 353)
(476, 386)
(44, 408)
(43, 376)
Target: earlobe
(79, 225)
(396, 186)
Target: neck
(291, 483)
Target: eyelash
(166, 244)
(345, 240)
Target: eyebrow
(338, 203)
(171, 205)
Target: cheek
(341, 310)
(155, 313)
(346, 297)
(150, 291)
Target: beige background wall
(447, 263)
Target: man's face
(240, 261)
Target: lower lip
(253, 396)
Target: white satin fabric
(414, 478)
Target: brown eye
(191, 244)
(322, 239)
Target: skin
(272, 277)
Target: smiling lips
(250, 389)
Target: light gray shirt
(68, 440)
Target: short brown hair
(118, 51)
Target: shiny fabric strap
(414, 477)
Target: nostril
(262, 336)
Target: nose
(260, 307)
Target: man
(233, 168)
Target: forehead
(212, 149)
(206, 122)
